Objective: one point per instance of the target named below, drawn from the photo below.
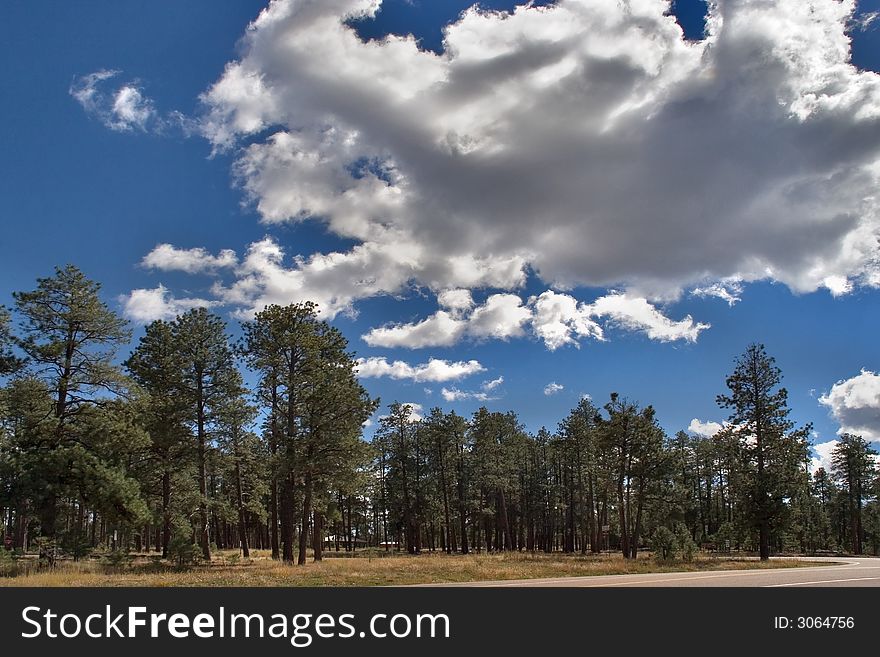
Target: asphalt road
(840, 571)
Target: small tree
(684, 543)
(181, 549)
(663, 542)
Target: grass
(370, 569)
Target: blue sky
(77, 187)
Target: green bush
(117, 559)
(48, 549)
(181, 548)
(685, 545)
(8, 564)
(663, 542)
(670, 545)
(77, 546)
(725, 538)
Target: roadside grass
(370, 569)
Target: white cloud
(483, 394)
(170, 258)
(333, 280)
(456, 301)
(728, 290)
(705, 429)
(560, 319)
(865, 20)
(494, 383)
(648, 171)
(822, 459)
(556, 318)
(131, 109)
(855, 404)
(552, 388)
(441, 329)
(146, 305)
(85, 88)
(435, 370)
(123, 109)
(637, 314)
(502, 316)
(454, 394)
(838, 285)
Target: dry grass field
(366, 569)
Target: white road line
(821, 581)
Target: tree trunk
(318, 537)
(462, 516)
(624, 526)
(288, 519)
(166, 511)
(273, 496)
(204, 536)
(242, 515)
(306, 516)
(273, 520)
(48, 517)
(447, 537)
(764, 538)
(591, 503)
(505, 520)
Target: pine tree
(209, 378)
(156, 365)
(772, 448)
(334, 408)
(854, 468)
(396, 436)
(9, 362)
(635, 441)
(241, 453)
(278, 344)
(70, 337)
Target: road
(841, 571)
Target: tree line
(168, 451)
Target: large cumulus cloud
(588, 140)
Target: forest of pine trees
(166, 450)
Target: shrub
(685, 545)
(663, 542)
(725, 538)
(181, 548)
(8, 564)
(77, 547)
(48, 549)
(117, 559)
